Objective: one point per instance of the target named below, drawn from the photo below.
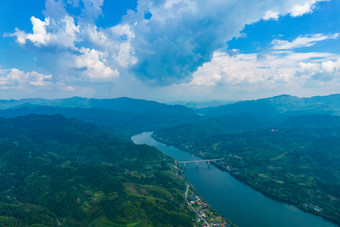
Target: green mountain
(279, 105)
(57, 170)
(63, 172)
(125, 123)
(119, 104)
(123, 115)
(227, 124)
(285, 146)
(311, 121)
(294, 159)
(299, 166)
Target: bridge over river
(197, 161)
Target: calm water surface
(233, 199)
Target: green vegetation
(123, 116)
(279, 106)
(297, 161)
(60, 172)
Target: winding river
(233, 199)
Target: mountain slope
(279, 105)
(294, 159)
(125, 116)
(62, 172)
(228, 124)
(123, 104)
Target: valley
(290, 155)
(169, 113)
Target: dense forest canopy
(62, 172)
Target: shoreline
(300, 207)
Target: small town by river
(233, 199)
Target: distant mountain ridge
(273, 105)
(123, 115)
(283, 104)
(130, 116)
(123, 104)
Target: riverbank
(207, 216)
(203, 214)
(239, 176)
(302, 207)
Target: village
(205, 213)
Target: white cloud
(39, 35)
(67, 35)
(271, 68)
(309, 67)
(106, 49)
(183, 34)
(93, 67)
(126, 55)
(302, 41)
(304, 8)
(61, 33)
(330, 66)
(180, 38)
(98, 38)
(271, 15)
(19, 79)
(225, 69)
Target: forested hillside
(294, 159)
(122, 115)
(279, 106)
(60, 172)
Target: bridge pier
(196, 164)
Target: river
(233, 199)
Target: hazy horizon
(189, 103)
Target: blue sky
(169, 50)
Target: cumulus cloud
(90, 63)
(39, 35)
(178, 46)
(80, 50)
(330, 66)
(183, 34)
(271, 15)
(62, 33)
(166, 48)
(271, 68)
(302, 41)
(15, 78)
(304, 7)
(59, 29)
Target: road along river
(236, 201)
